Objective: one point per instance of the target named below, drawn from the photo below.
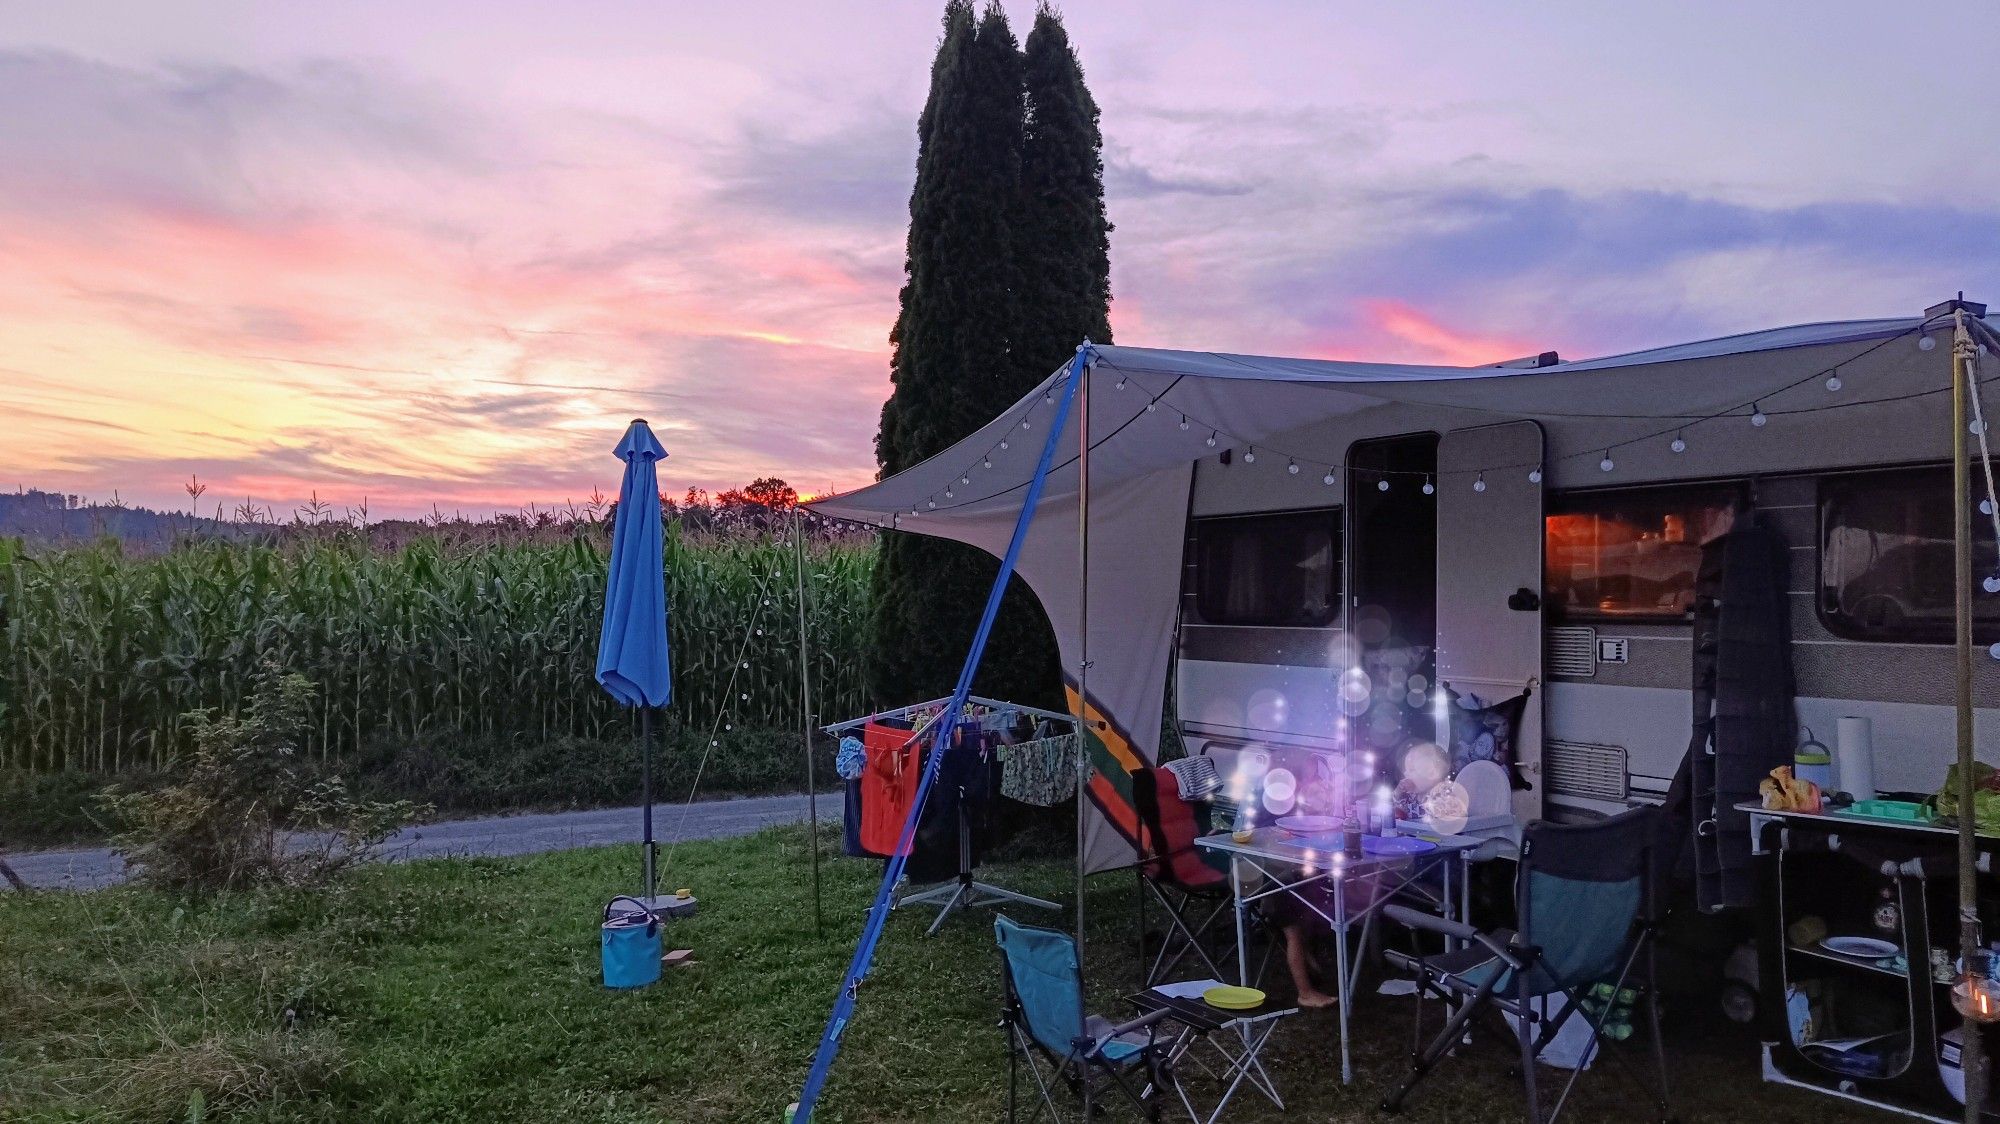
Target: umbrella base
(666, 907)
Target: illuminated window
(1886, 558)
(1632, 555)
(1269, 569)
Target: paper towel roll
(1854, 758)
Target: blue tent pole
(941, 731)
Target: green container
(1899, 811)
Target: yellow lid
(683, 894)
(1233, 998)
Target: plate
(1487, 790)
(1233, 998)
(1396, 845)
(1309, 825)
(1865, 947)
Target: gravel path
(91, 868)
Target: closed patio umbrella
(632, 650)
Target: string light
(1992, 583)
(965, 479)
(1211, 440)
(1833, 380)
(1183, 421)
(1757, 417)
(1327, 479)
(986, 462)
(1121, 383)
(1535, 475)
(1382, 485)
(1478, 483)
(1003, 443)
(1292, 467)
(1430, 489)
(948, 493)
(1151, 406)
(931, 504)
(1680, 444)
(1607, 464)
(1925, 343)
(1250, 455)
(1024, 423)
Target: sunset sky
(420, 253)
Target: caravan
(1327, 557)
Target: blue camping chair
(1583, 899)
(1042, 1015)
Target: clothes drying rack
(964, 891)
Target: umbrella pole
(646, 798)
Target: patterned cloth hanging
(1040, 772)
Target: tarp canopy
(1845, 392)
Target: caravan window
(1269, 569)
(1886, 561)
(1631, 555)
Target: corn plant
(102, 652)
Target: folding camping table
(1199, 1023)
(1287, 863)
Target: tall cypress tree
(953, 368)
(1065, 239)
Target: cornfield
(102, 652)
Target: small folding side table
(1235, 1037)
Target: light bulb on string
(1479, 482)
(1024, 423)
(965, 479)
(932, 504)
(1925, 343)
(1382, 485)
(1757, 417)
(1048, 396)
(948, 493)
(1992, 583)
(1121, 383)
(1833, 381)
(1607, 464)
(1328, 478)
(1680, 444)
(1151, 406)
(1535, 475)
(1211, 441)
(1430, 489)
(986, 462)
(1184, 422)
(1250, 455)
(1292, 467)
(1003, 444)
(1975, 427)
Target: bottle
(1351, 833)
(1245, 823)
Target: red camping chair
(1174, 873)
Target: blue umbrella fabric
(632, 662)
(632, 651)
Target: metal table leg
(1242, 945)
(1346, 992)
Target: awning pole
(1972, 1048)
(805, 711)
(1083, 724)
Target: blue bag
(629, 942)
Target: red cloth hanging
(888, 785)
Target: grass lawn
(468, 990)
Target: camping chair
(1584, 903)
(1194, 895)
(1042, 1015)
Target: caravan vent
(1572, 651)
(1580, 769)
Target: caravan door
(1489, 579)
